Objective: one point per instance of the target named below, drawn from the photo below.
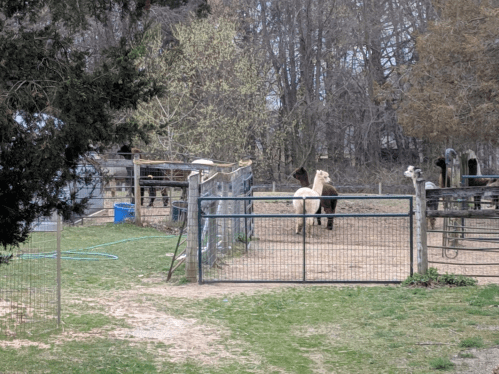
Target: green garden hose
(106, 256)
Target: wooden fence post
(421, 235)
(136, 184)
(58, 264)
(192, 232)
(225, 210)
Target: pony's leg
(152, 195)
(329, 219)
(309, 225)
(164, 193)
(112, 187)
(142, 189)
(477, 202)
(299, 224)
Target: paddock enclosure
(371, 241)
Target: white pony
(311, 205)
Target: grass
(441, 363)
(466, 355)
(303, 329)
(142, 258)
(472, 342)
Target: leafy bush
(457, 280)
(441, 363)
(426, 280)
(473, 342)
(432, 278)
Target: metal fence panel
(362, 247)
(28, 284)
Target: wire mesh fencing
(29, 289)
(371, 241)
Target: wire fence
(374, 244)
(29, 296)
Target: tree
(215, 103)
(454, 87)
(327, 57)
(53, 109)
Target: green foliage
(441, 363)
(432, 278)
(473, 342)
(457, 280)
(489, 296)
(215, 104)
(182, 280)
(53, 111)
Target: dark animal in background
(473, 170)
(476, 182)
(152, 173)
(495, 199)
(329, 205)
(443, 179)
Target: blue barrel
(179, 208)
(123, 211)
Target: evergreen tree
(54, 109)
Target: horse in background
(152, 173)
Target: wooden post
(170, 194)
(380, 188)
(225, 210)
(273, 186)
(455, 182)
(58, 264)
(136, 178)
(192, 232)
(421, 237)
(456, 173)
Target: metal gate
(254, 239)
(465, 240)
